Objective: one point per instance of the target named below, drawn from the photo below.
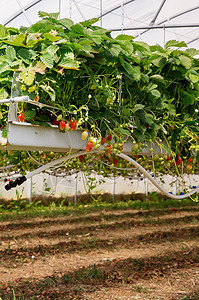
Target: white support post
(113, 188)
(75, 189)
(175, 185)
(146, 187)
(30, 189)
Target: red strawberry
(89, 146)
(172, 127)
(189, 168)
(103, 141)
(81, 158)
(73, 125)
(36, 98)
(115, 161)
(21, 117)
(62, 125)
(169, 158)
(108, 149)
(189, 160)
(55, 122)
(178, 162)
(109, 138)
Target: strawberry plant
(116, 89)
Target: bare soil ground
(120, 254)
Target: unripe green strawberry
(84, 135)
(67, 127)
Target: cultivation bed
(27, 137)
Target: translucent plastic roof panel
(152, 21)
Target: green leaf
(171, 109)
(89, 22)
(115, 50)
(174, 43)
(51, 37)
(155, 93)
(68, 62)
(3, 31)
(188, 99)
(158, 78)
(43, 14)
(159, 62)
(185, 61)
(17, 41)
(4, 66)
(126, 112)
(28, 76)
(29, 115)
(10, 53)
(124, 37)
(47, 60)
(4, 132)
(124, 131)
(137, 107)
(49, 90)
(3, 94)
(52, 49)
(67, 23)
(133, 72)
(141, 46)
(78, 29)
(25, 55)
(194, 78)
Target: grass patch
(55, 210)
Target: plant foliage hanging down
(119, 86)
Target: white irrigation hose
(138, 166)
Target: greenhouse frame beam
(158, 12)
(21, 12)
(113, 9)
(193, 40)
(158, 27)
(171, 18)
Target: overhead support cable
(79, 10)
(158, 12)
(194, 40)
(21, 12)
(157, 27)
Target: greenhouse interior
(99, 97)
(99, 150)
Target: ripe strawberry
(172, 127)
(56, 122)
(103, 141)
(115, 161)
(21, 117)
(73, 125)
(81, 158)
(169, 158)
(62, 125)
(109, 138)
(178, 162)
(189, 160)
(89, 146)
(84, 135)
(36, 98)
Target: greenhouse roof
(151, 21)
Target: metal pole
(30, 190)
(113, 188)
(146, 187)
(75, 189)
